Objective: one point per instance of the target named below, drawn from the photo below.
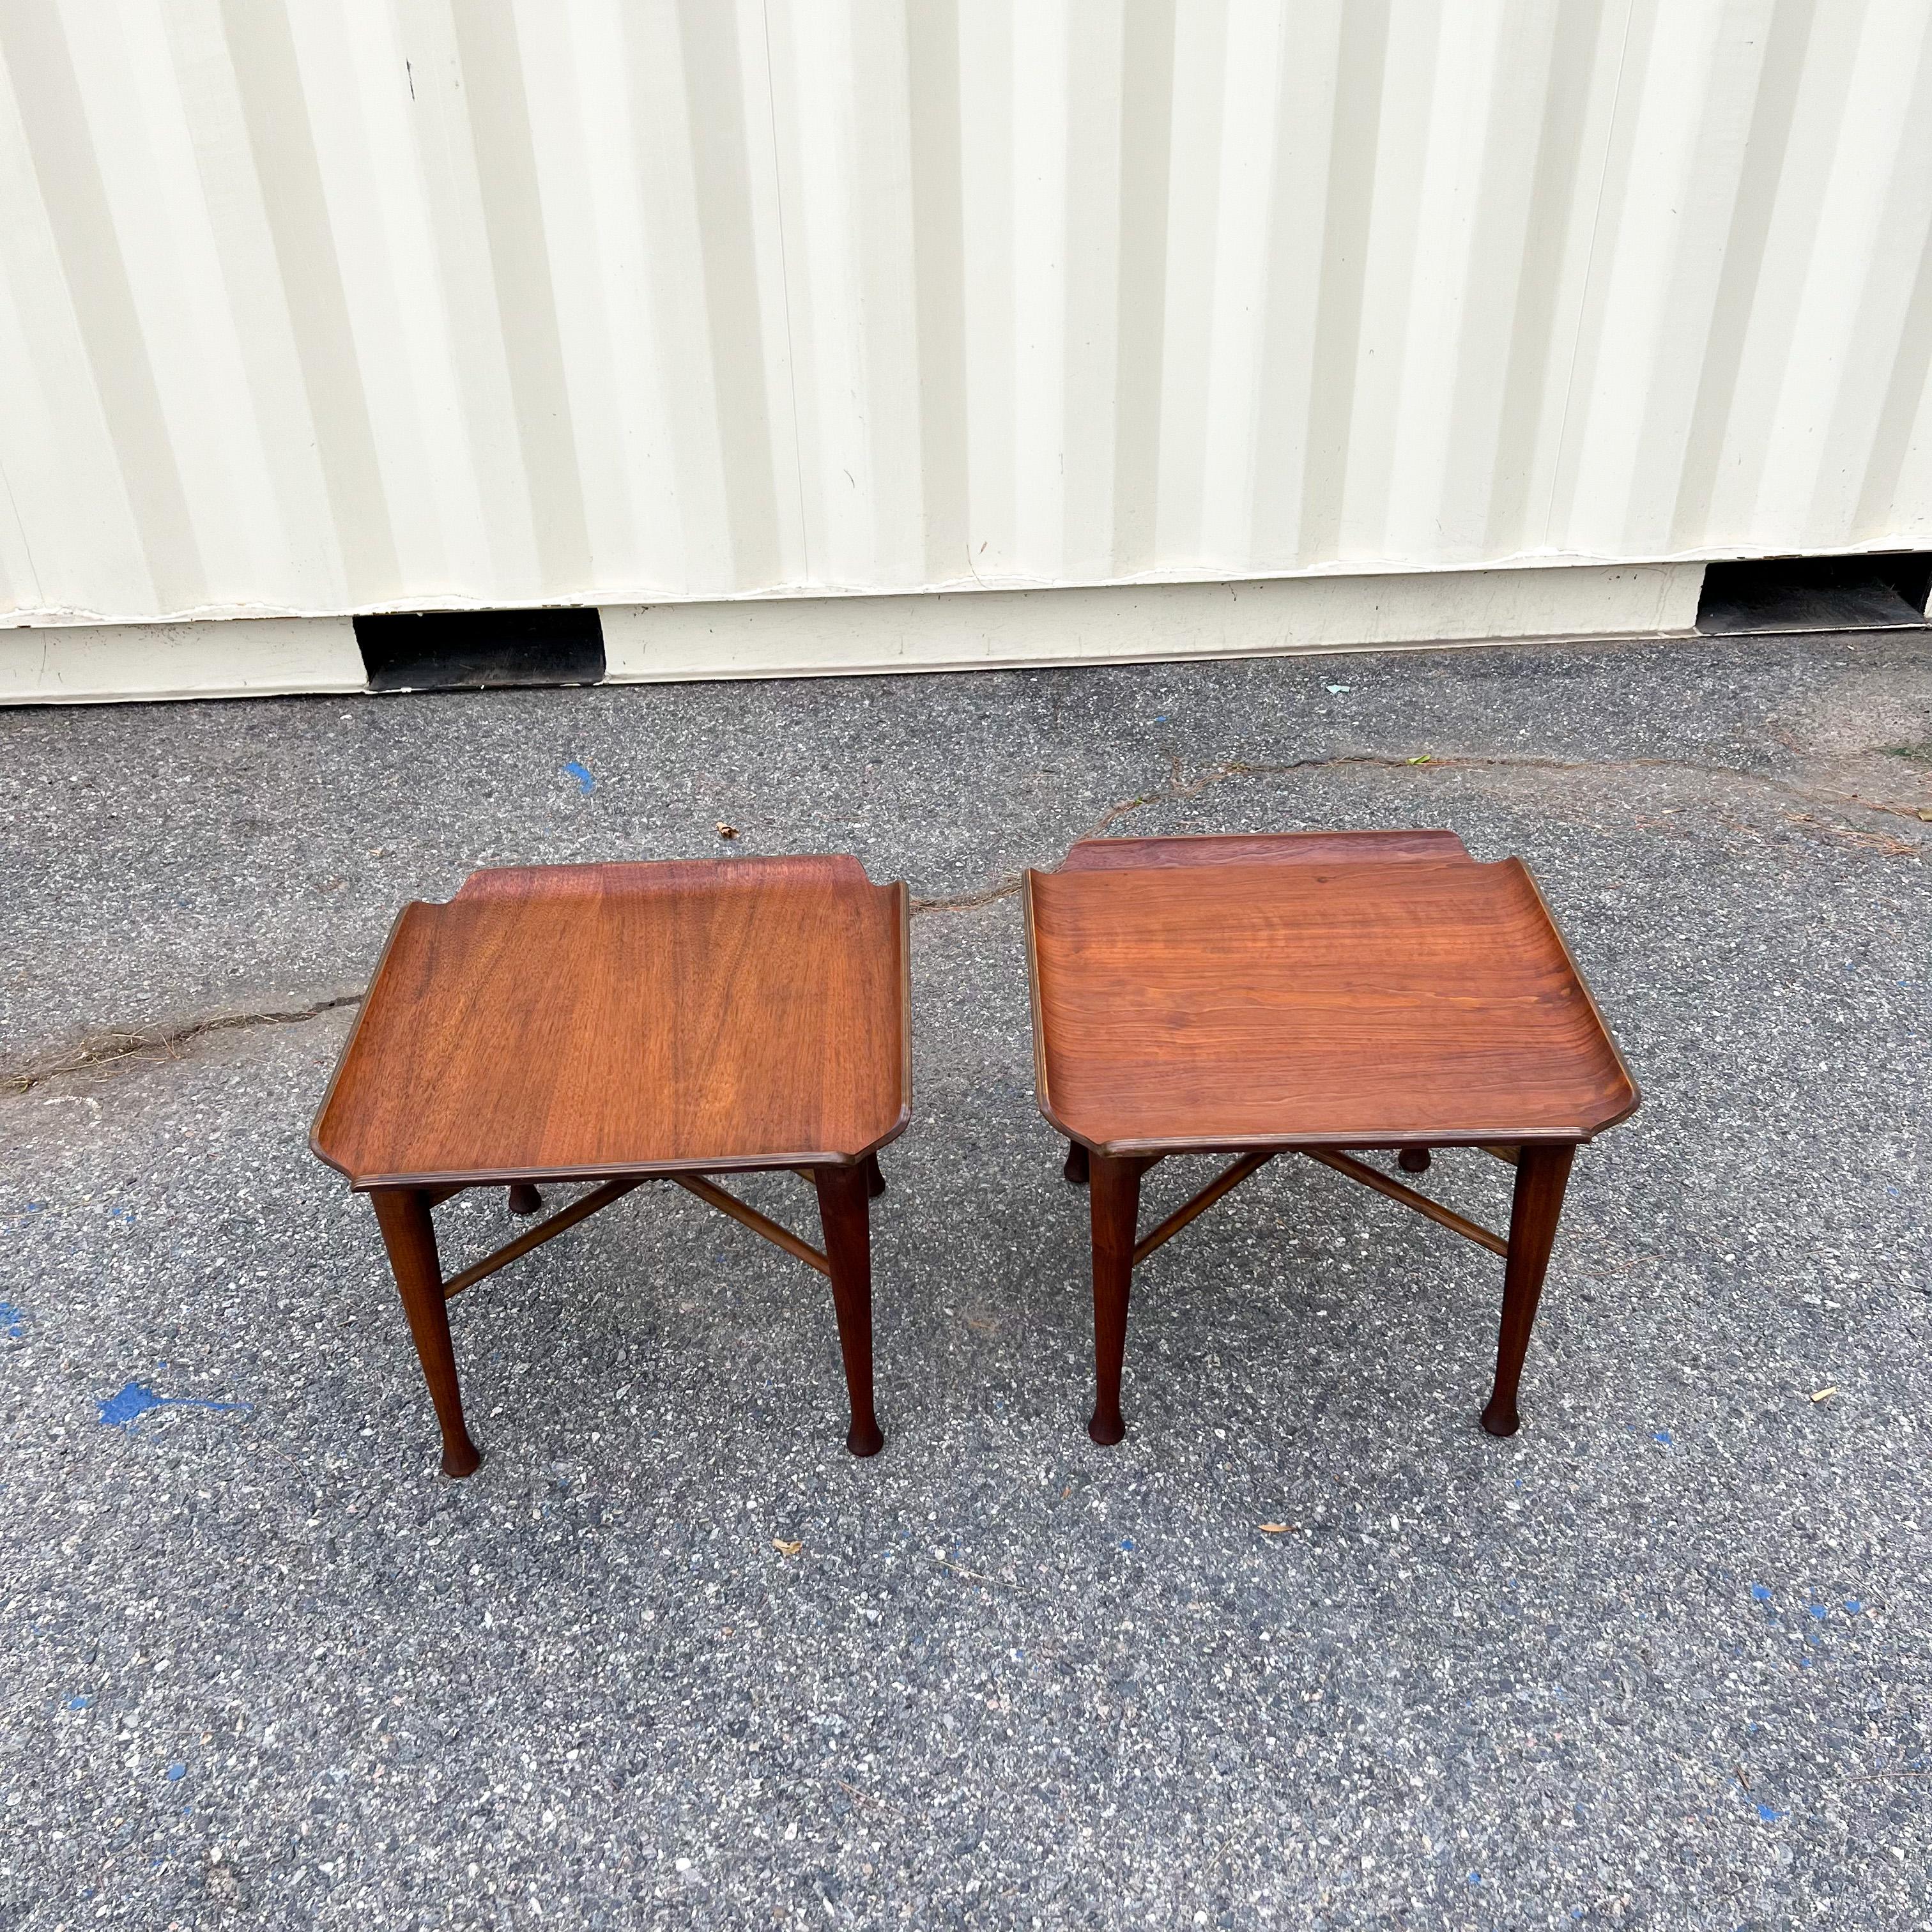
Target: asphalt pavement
(1664, 1659)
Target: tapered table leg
(1542, 1174)
(1076, 1169)
(403, 1213)
(1114, 1204)
(875, 1180)
(844, 1210)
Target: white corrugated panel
(409, 303)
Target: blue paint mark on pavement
(1760, 1594)
(13, 1321)
(176, 1772)
(1126, 1542)
(1819, 1611)
(1770, 1816)
(127, 1406)
(79, 1703)
(1662, 1436)
(587, 780)
(120, 1410)
(1853, 1605)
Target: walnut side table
(619, 1023)
(1315, 993)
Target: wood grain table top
(1367, 1004)
(1249, 848)
(576, 1021)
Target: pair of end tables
(1322, 993)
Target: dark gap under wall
(1884, 592)
(457, 650)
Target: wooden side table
(615, 1024)
(1274, 995)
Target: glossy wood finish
(1114, 1199)
(619, 1023)
(1245, 1006)
(1300, 848)
(584, 1021)
(1246, 848)
(1542, 1175)
(842, 1210)
(1227, 1001)
(403, 1213)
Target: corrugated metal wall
(317, 307)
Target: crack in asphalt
(150, 1046)
(106, 1048)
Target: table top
(565, 1021)
(1239, 848)
(1360, 1004)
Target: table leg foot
(1413, 1160)
(844, 1211)
(1542, 1174)
(403, 1214)
(1076, 1169)
(524, 1199)
(1113, 1207)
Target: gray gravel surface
(1662, 1659)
